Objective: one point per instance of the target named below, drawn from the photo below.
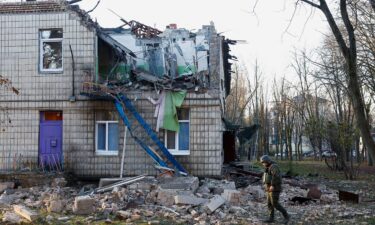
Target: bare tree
(240, 96)
(349, 51)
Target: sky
(272, 29)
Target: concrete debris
(188, 200)
(83, 205)
(166, 197)
(55, 206)
(214, 203)
(11, 218)
(256, 191)
(232, 196)
(149, 200)
(25, 212)
(180, 183)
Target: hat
(265, 159)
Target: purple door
(50, 140)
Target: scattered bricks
(189, 200)
(6, 185)
(232, 196)
(214, 203)
(83, 205)
(26, 212)
(55, 206)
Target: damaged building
(169, 90)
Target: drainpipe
(72, 98)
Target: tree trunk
(350, 54)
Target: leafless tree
(348, 48)
(240, 96)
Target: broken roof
(32, 7)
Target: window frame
(57, 40)
(176, 150)
(106, 151)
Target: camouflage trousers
(273, 203)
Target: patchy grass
(313, 168)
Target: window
(178, 142)
(51, 50)
(107, 137)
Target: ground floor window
(107, 137)
(178, 143)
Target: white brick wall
(19, 60)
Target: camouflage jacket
(272, 177)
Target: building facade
(50, 50)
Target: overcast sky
(264, 31)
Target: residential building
(56, 55)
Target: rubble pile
(183, 200)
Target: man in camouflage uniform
(272, 184)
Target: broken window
(51, 50)
(107, 136)
(178, 142)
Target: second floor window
(51, 59)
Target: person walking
(272, 180)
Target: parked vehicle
(328, 154)
(308, 154)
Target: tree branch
(349, 28)
(312, 4)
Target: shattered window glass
(51, 50)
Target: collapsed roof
(146, 57)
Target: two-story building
(51, 50)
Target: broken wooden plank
(349, 196)
(26, 212)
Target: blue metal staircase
(121, 102)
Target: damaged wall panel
(174, 60)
